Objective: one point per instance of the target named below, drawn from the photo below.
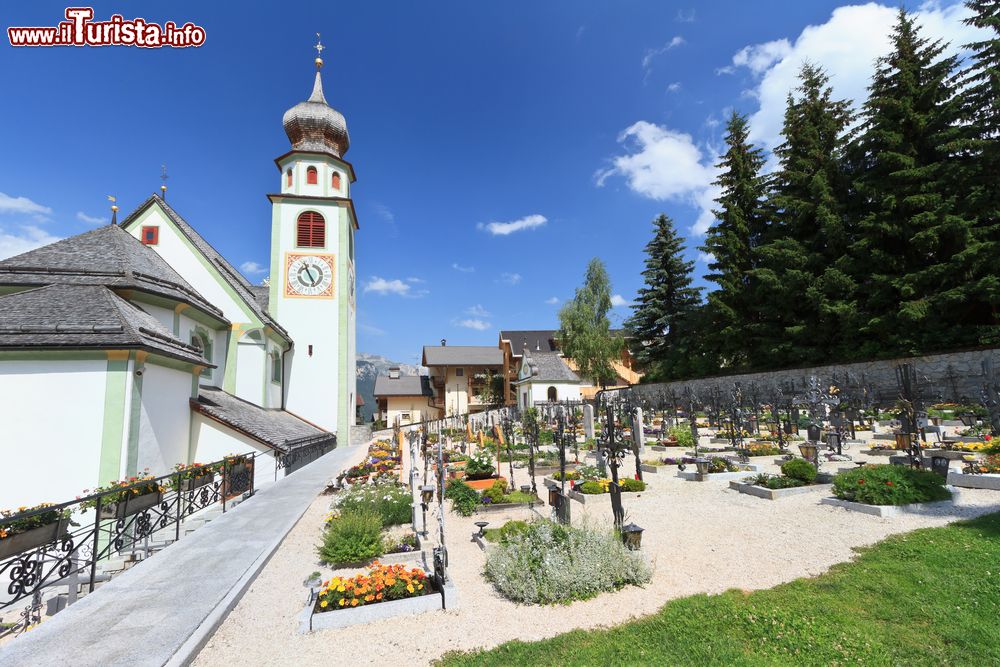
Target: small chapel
(138, 346)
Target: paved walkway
(175, 600)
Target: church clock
(309, 276)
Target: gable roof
(462, 355)
(233, 278)
(549, 367)
(278, 429)
(543, 340)
(404, 385)
(107, 256)
(85, 317)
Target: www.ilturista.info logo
(80, 30)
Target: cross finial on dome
(319, 52)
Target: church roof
(549, 367)
(234, 278)
(107, 256)
(314, 125)
(85, 317)
(279, 429)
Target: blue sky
(577, 122)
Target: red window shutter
(311, 178)
(336, 180)
(288, 178)
(150, 235)
(310, 230)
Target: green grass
(930, 597)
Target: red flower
(888, 483)
(861, 481)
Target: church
(137, 346)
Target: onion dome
(314, 125)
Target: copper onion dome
(314, 125)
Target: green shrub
(799, 469)
(509, 530)
(496, 492)
(719, 464)
(353, 537)
(570, 474)
(544, 563)
(890, 485)
(391, 501)
(590, 487)
(776, 482)
(464, 498)
(632, 485)
(683, 435)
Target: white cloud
(463, 269)
(685, 16)
(383, 286)
(415, 281)
(846, 46)
(552, 300)
(509, 278)
(706, 257)
(478, 325)
(22, 205)
(29, 238)
(477, 311)
(617, 301)
(651, 54)
(90, 219)
(505, 228)
(252, 268)
(674, 87)
(388, 217)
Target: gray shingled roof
(540, 339)
(85, 317)
(404, 385)
(236, 280)
(549, 367)
(108, 256)
(462, 355)
(276, 428)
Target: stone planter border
(775, 494)
(884, 511)
(695, 476)
(501, 507)
(310, 621)
(986, 481)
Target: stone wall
(953, 376)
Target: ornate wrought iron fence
(85, 532)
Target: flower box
(310, 621)
(775, 494)
(192, 483)
(36, 537)
(482, 484)
(131, 506)
(887, 511)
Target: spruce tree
(978, 150)
(738, 229)
(908, 256)
(659, 326)
(803, 275)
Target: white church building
(137, 345)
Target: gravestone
(639, 435)
(588, 421)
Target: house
(406, 398)
(137, 346)
(460, 376)
(544, 377)
(513, 344)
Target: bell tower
(312, 279)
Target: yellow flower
(410, 588)
(323, 604)
(342, 603)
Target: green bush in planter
(590, 488)
(799, 469)
(890, 485)
(632, 485)
(683, 436)
(353, 537)
(774, 482)
(496, 492)
(464, 498)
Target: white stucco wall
(164, 419)
(52, 415)
(251, 360)
(325, 167)
(211, 441)
(538, 392)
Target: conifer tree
(659, 326)
(978, 149)
(911, 235)
(738, 229)
(803, 275)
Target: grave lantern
(813, 432)
(702, 466)
(554, 496)
(810, 452)
(632, 536)
(833, 442)
(903, 440)
(968, 418)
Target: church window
(311, 176)
(200, 341)
(553, 395)
(288, 177)
(275, 367)
(336, 180)
(151, 235)
(310, 231)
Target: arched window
(310, 232)
(288, 177)
(336, 180)
(311, 176)
(553, 395)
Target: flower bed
(889, 485)
(797, 476)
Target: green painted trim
(229, 379)
(275, 282)
(177, 325)
(135, 418)
(167, 362)
(344, 316)
(113, 429)
(195, 383)
(193, 312)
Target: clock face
(309, 275)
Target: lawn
(930, 597)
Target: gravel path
(702, 537)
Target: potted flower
(125, 497)
(21, 533)
(193, 476)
